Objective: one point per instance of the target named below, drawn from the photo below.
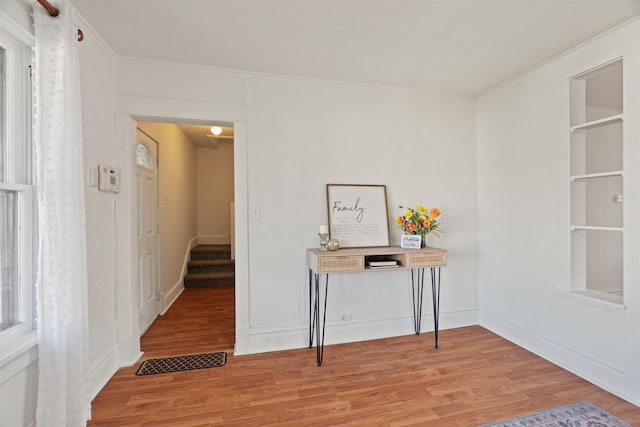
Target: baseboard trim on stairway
(168, 298)
(215, 239)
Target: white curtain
(63, 382)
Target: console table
(358, 260)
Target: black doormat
(182, 363)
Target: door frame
(130, 110)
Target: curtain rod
(52, 11)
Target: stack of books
(386, 263)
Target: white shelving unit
(595, 228)
(594, 124)
(595, 175)
(596, 182)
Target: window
(8, 246)
(3, 103)
(16, 189)
(144, 158)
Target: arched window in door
(144, 158)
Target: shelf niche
(596, 180)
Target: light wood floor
(475, 377)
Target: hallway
(200, 321)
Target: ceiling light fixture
(216, 130)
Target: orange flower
(419, 220)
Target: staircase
(210, 266)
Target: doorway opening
(195, 230)
(132, 109)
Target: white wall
(523, 202)
(303, 134)
(97, 64)
(177, 201)
(215, 193)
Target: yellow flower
(419, 220)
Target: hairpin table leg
(417, 289)
(316, 316)
(435, 293)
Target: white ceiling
(201, 136)
(464, 46)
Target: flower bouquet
(419, 221)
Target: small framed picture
(411, 241)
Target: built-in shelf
(597, 123)
(594, 228)
(596, 184)
(600, 300)
(596, 175)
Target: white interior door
(148, 231)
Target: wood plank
(475, 377)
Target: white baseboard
(261, 340)
(119, 356)
(344, 332)
(598, 372)
(243, 341)
(168, 298)
(102, 370)
(129, 351)
(215, 240)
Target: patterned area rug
(583, 414)
(182, 363)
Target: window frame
(26, 309)
(17, 175)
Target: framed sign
(411, 241)
(358, 215)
